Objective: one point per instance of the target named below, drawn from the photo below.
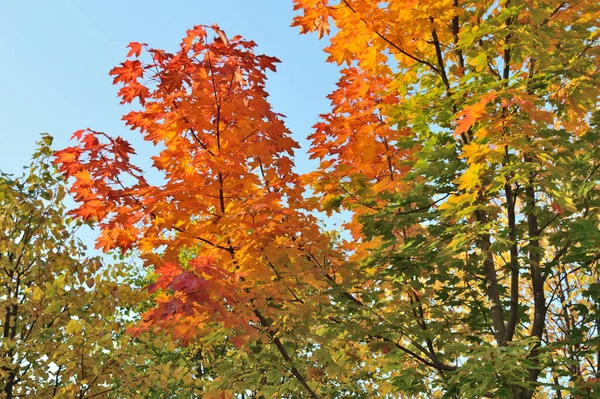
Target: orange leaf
(135, 48)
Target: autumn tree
(225, 226)
(463, 139)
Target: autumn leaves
(463, 141)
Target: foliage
(63, 315)
(226, 230)
(51, 303)
(463, 138)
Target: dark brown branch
(423, 208)
(435, 365)
(356, 198)
(101, 392)
(491, 281)
(514, 265)
(440, 57)
(554, 12)
(265, 323)
(537, 280)
(420, 317)
(56, 377)
(264, 176)
(507, 51)
(193, 132)
(548, 223)
(455, 32)
(204, 240)
(248, 136)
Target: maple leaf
(78, 134)
(470, 114)
(128, 72)
(66, 157)
(188, 282)
(135, 49)
(221, 34)
(130, 92)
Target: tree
(463, 138)
(225, 227)
(63, 315)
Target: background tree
(63, 315)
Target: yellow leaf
(73, 326)
(170, 345)
(188, 379)
(37, 293)
(140, 360)
(158, 343)
(470, 179)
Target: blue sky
(57, 54)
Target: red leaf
(221, 35)
(136, 48)
(128, 72)
(128, 93)
(77, 135)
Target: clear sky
(56, 56)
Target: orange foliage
(229, 194)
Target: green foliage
(63, 316)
